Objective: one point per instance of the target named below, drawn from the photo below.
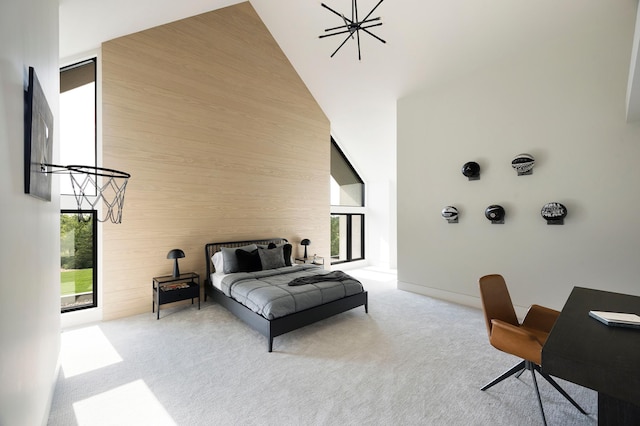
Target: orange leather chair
(522, 340)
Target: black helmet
(471, 169)
(495, 213)
(554, 212)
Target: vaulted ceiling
(428, 42)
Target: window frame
(348, 164)
(349, 238)
(94, 246)
(75, 65)
(349, 211)
(68, 203)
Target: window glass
(347, 189)
(357, 236)
(77, 260)
(77, 118)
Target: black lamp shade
(175, 254)
(305, 243)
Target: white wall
(563, 102)
(29, 251)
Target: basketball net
(95, 186)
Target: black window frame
(349, 237)
(94, 230)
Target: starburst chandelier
(353, 26)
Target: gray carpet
(412, 360)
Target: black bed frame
(282, 325)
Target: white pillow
(218, 262)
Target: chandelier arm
(354, 11)
(338, 33)
(342, 44)
(328, 8)
(335, 28)
(358, 37)
(363, 22)
(372, 34)
(374, 8)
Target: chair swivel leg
(518, 368)
(531, 366)
(558, 388)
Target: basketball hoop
(109, 191)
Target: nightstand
(169, 289)
(311, 260)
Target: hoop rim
(98, 171)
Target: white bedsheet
(216, 279)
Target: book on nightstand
(169, 287)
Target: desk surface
(587, 352)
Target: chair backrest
(496, 301)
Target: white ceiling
(428, 42)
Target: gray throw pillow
(231, 260)
(271, 258)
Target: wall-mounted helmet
(450, 213)
(471, 169)
(495, 213)
(523, 163)
(554, 213)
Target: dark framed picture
(38, 140)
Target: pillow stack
(251, 258)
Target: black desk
(600, 357)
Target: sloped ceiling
(428, 42)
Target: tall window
(78, 228)
(347, 205)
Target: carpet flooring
(412, 360)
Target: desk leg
(615, 412)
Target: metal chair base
(519, 368)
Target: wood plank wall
(223, 141)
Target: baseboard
(460, 299)
(81, 317)
(350, 265)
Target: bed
(283, 296)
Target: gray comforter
(269, 294)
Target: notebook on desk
(617, 319)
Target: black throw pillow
(248, 261)
(286, 250)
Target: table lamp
(175, 254)
(305, 243)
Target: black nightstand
(169, 289)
